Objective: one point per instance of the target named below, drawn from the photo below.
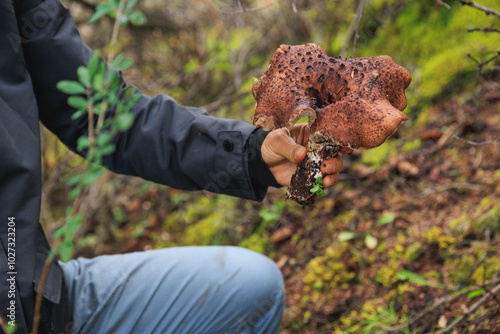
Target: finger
(332, 166)
(330, 180)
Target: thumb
(291, 150)
(297, 153)
(278, 145)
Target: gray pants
(190, 290)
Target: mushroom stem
(304, 178)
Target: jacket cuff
(258, 169)
(230, 175)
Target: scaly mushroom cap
(355, 102)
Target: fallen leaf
(281, 234)
(407, 168)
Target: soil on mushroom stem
(308, 170)
(301, 183)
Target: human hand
(282, 152)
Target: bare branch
(484, 30)
(352, 32)
(359, 15)
(486, 10)
(444, 4)
(41, 288)
(480, 65)
(476, 143)
(241, 5)
(244, 9)
(448, 186)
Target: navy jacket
(179, 146)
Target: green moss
(379, 156)
(432, 42)
(329, 271)
(258, 242)
(387, 275)
(436, 235)
(411, 146)
(413, 251)
(204, 231)
(432, 274)
(489, 220)
(487, 270)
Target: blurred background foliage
(207, 53)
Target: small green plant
(318, 188)
(370, 241)
(405, 275)
(96, 95)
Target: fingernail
(298, 153)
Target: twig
(111, 58)
(41, 288)
(91, 114)
(484, 30)
(486, 10)
(471, 309)
(352, 32)
(444, 4)
(4, 326)
(219, 25)
(442, 301)
(116, 30)
(480, 65)
(449, 186)
(475, 143)
(359, 15)
(243, 9)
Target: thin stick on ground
(488, 295)
(441, 303)
(475, 143)
(483, 30)
(486, 10)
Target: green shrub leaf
(77, 102)
(83, 75)
(71, 87)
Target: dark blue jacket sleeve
(175, 145)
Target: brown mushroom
(350, 102)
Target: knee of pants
(262, 277)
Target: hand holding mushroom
(350, 103)
(282, 151)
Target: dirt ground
(441, 200)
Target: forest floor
(425, 234)
(407, 242)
